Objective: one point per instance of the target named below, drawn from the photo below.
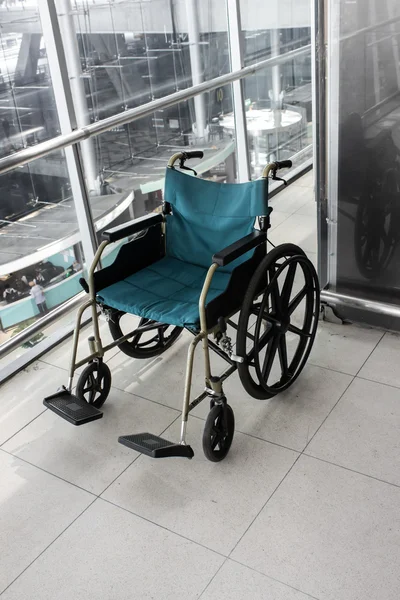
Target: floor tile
(34, 509)
(109, 553)
(297, 229)
(309, 209)
(236, 582)
(290, 418)
(362, 432)
(343, 348)
(162, 378)
(210, 503)
(383, 364)
(291, 199)
(327, 531)
(90, 456)
(306, 180)
(22, 396)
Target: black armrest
(126, 229)
(227, 255)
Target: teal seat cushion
(167, 291)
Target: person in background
(39, 297)
(39, 277)
(9, 293)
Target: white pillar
(66, 116)
(71, 50)
(237, 62)
(276, 71)
(195, 64)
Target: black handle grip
(194, 154)
(283, 164)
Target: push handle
(278, 164)
(182, 156)
(283, 164)
(194, 154)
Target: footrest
(155, 446)
(71, 408)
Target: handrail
(133, 114)
(368, 28)
(26, 334)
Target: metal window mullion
(332, 24)
(235, 41)
(319, 98)
(67, 119)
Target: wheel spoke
(282, 351)
(89, 384)
(136, 338)
(296, 300)
(265, 338)
(269, 357)
(293, 329)
(275, 297)
(215, 440)
(288, 285)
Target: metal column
(195, 64)
(235, 38)
(319, 133)
(67, 119)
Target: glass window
(278, 99)
(41, 258)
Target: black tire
(218, 435)
(156, 343)
(94, 384)
(276, 311)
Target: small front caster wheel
(218, 432)
(94, 384)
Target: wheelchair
(200, 264)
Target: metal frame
(319, 133)
(332, 141)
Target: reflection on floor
(305, 506)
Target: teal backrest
(208, 216)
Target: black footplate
(71, 408)
(154, 446)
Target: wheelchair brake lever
(226, 342)
(276, 178)
(182, 164)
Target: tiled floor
(306, 505)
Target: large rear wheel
(146, 344)
(283, 300)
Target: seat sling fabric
(207, 217)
